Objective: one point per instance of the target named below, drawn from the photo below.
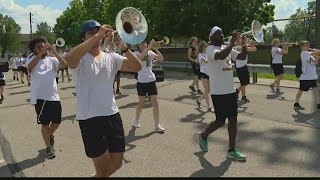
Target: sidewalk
(4, 169)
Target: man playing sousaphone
(98, 115)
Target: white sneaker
(159, 129)
(210, 109)
(136, 123)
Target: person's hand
(252, 43)
(234, 37)
(105, 31)
(151, 44)
(286, 44)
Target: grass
(290, 77)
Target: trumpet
(165, 41)
(290, 44)
(132, 27)
(60, 42)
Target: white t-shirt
(94, 85)
(21, 61)
(309, 69)
(43, 82)
(15, 62)
(24, 62)
(145, 75)
(220, 71)
(240, 63)
(203, 66)
(277, 58)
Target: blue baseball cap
(89, 24)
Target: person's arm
(145, 52)
(62, 62)
(74, 56)
(252, 47)
(33, 63)
(131, 63)
(223, 54)
(158, 56)
(243, 54)
(189, 56)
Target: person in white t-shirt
(222, 89)
(242, 68)
(15, 65)
(204, 75)
(63, 54)
(25, 68)
(309, 77)
(147, 82)
(277, 64)
(44, 92)
(21, 67)
(98, 115)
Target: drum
(159, 73)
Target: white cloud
(285, 8)
(21, 14)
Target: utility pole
(317, 25)
(30, 25)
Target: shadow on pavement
(16, 87)
(71, 118)
(22, 92)
(129, 86)
(275, 96)
(65, 88)
(120, 96)
(134, 105)
(208, 170)
(190, 96)
(307, 118)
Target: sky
(49, 10)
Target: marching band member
(15, 65)
(25, 68)
(204, 75)
(2, 84)
(147, 82)
(20, 67)
(98, 115)
(192, 57)
(309, 77)
(242, 68)
(222, 89)
(277, 64)
(44, 92)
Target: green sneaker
(237, 155)
(203, 143)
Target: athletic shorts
(149, 89)
(103, 133)
(2, 82)
(48, 112)
(225, 106)
(196, 69)
(204, 76)
(277, 69)
(305, 85)
(243, 75)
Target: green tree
(9, 34)
(302, 29)
(43, 29)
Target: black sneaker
(244, 98)
(50, 153)
(17, 79)
(14, 78)
(192, 88)
(29, 83)
(298, 107)
(118, 92)
(199, 91)
(52, 140)
(22, 82)
(199, 103)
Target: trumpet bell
(256, 31)
(166, 40)
(131, 26)
(60, 42)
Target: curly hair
(36, 40)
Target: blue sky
(49, 10)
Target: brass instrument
(60, 42)
(290, 44)
(165, 41)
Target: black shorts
(305, 85)
(277, 69)
(24, 70)
(48, 112)
(100, 134)
(196, 69)
(20, 68)
(204, 76)
(149, 89)
(14, 69)
(225, 106)
(243, 75)
(2, 82)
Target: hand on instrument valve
(286, 44)
(151, 44)
(252, 43)
(105, 31)
(235, 36)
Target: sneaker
(192, 88)
(17, 79)
(14, 78)
(136, 123)
(159, 129)
(50, 153)
(210, 109)
(272, 88)
(199, 91)
(244, 98)
(278, 91)
(199, 103)
(22, 82)
(203, 143)
(236, 154)
(69, 79)
(118, 92)
(51, 140)
(297, 106)
(29, 83)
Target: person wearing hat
(44, 91)
(222, 89)
(97, 112)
